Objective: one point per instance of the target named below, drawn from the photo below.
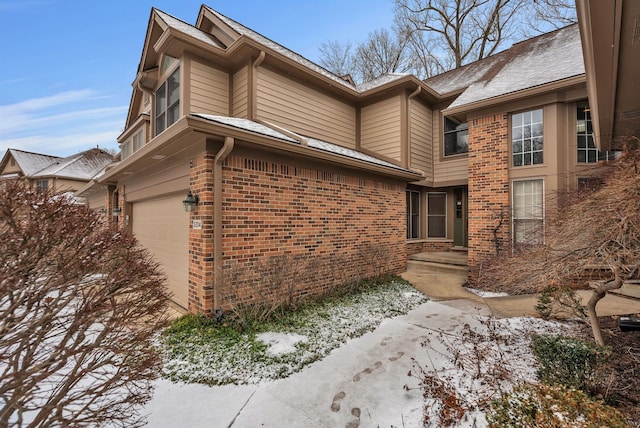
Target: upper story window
(137, 141)
(456, 137)
(168, 102)
(133, 144)
(587, 151)
(527, 138)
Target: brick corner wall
(488, 190)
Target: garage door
(162, 226)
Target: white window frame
(515, 218)
(525, 146)
(163, 111)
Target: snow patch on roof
(381, 80)
(249, 125)
(545, 59)
(31, 163)
(461, 78)
(82, 166)
(183, 27)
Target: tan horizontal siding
(241, 93)
(381, 127)
(452, 169)
(209, 90)
(421, 138)
(304, 110)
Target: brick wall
(201, 264)
(314, 228)
(428, 246)
(488, 189)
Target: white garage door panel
(162, 226)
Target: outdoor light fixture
(190, 202)
(116, 211)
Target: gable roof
(545, 59)
(29, 162)
(81, 166)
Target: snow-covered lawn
(214, 356)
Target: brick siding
(428, 246)
(488, 189)
(307, 228)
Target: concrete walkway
(449, 290)
(358, 385)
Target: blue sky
(65, 79)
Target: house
(271, 154)
(67, 174)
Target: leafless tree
(433, 36)
(80, 304)
(336, 57)
(596, 231)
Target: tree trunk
(597, 295)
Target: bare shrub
(79, 306)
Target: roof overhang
(610, 34)
(191, 129)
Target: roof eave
(516, 95)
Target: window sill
(422, 240)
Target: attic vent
(636, 32)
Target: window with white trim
(413, 214)
(527, 138)
(528, 212)
(436, 215)
(168, 102)
(587, 150)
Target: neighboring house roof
(81, 166)
(30, 163)
(541, 60)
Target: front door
(460, 224)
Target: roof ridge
(34, 153)
(302, 57)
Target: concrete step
(436, 267)
(457, 258)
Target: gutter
(226, 149)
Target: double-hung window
(527, 138)
(168, 102)
(456, 137)
(528, 212)
(413, 214)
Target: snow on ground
(486, 294)
(333, 370)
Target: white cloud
(61, 124)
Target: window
(137, 141)
(126, 149)
(587, 151)
(528, 212)
(168, 102)
(413, 214)
(437, 215)
(526, 138)
(42, 184)
(456, 137)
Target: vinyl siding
(381, 127)
(445, 170)
(421, 144)
(209, 90)
(304, 110)
(241, 93)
